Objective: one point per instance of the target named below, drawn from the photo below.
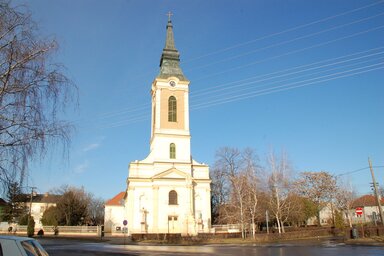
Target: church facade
(168, 192)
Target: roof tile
(116, 200)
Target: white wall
(114, 217)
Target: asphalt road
(58, 247)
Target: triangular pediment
(172, 173)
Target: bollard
(354, 233)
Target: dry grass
(378, 238)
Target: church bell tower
(168, 191)
(170, 136)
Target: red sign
(359, 211)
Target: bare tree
(294, 212)
(229, 161)
(226, 165)
(73, 206)
(252, 178)
(381, 191)
(302, 210)
(33, 92)
(235, 183)
(320, 187)
(344, 197)
(220, 194)
(280, 187)
(238, 182)
(95, 211)
(238, 200)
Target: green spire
(170, 58)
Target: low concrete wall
(365, 231)
(49, 230)
(274, 236)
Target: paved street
(307, 248)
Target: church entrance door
(173, 225)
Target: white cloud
(91, 147)
(80, 168)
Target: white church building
(167, 192)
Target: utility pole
(30, 205)
(376, 192)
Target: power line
(284, 31)
(275, 89)
(292, 52)
(288, 41)
(141, 116)
(251, 85)
(267, 77)
(287, 87)
(137, 113)
(359, 170)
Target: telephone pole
(30, 205)
(376, 192)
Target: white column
(155, 208)
(130, 207)
(158, 107)
(186, 110)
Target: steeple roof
(170, 57)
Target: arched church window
(172, 151)
(172, 197)
(172, 109)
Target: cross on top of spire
(169, 14)
(170, 58)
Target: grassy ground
(237, 241)
(374, 240)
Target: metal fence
(228, 228)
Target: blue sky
(298, 75)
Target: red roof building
(366, 200)
(116, 200)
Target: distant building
(168, 192)
(370, 209)
(325, 217)
(368, 204)
(114, 213)
(40, 203)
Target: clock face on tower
(172, 83)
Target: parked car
(20, 246)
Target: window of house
(172, 109)
(172, 151)
(172, 197)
